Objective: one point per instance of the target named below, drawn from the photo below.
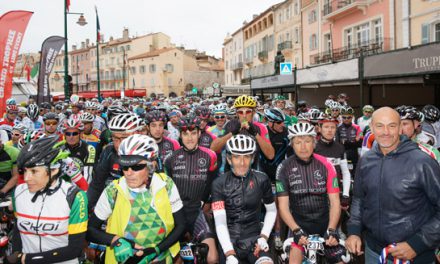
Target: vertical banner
(49, 51)
(12, 27)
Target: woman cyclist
(51, 213)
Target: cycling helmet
(189, 122)
(59, 107)
(136, 148)
(315, 114)
(42, 152)
(232, 111)
(115, 110)
(241, 145)
(431, 113)
(409, 113)
(21, 128)
(11, 101)
(155, 116)
(219, 109)
(328, 119)
(124, 123)
(368, 108)
(32, 111)
(302, 103)
(86, 117)
(30, 137)
(51, 116)
(301, 129)
(22, 110)
(279, 98)
(274, 115)
(333, 105)
(203, 112)
(12, 108)
(245, 101)
(347, 110)
(73, 123)
(303, 117)
(46, 105)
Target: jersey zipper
(380, 198)
(38, 220)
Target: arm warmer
(221, 227)
(176, 233)
(269, 219)
(95, 234)
(71, 251)
(346, 178)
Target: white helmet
(136, 148)
(301, 129)
(124, 123)
(86, 117)
(241, 145)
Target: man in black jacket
(396, 201)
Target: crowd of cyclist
(141, 177)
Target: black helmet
(42, 152)
(51, 116)
(274, 115)
(156, 115)
(45, 105)
(203, 112)
(431, 113)
(33, 111)
(189, 122)
(409, 113)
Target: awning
(105, 94)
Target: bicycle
(196, 253)
(314, 250)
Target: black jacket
(396, 199)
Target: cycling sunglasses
(348, 111)
(242, 112)
(137, 167)
(51, 123)
(188, 128)
(346, 117)
(219, 116)
(71, 134)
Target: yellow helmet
(245, 101)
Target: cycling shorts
(201, 229)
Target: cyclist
(33, 121)
(11, 116)
(245, 106)
(349, 135)
(106, 135)
(107, 169)
(432, 117)
(206, 137)
(220, 114)
(364, 121)
(59, 107)
(18, 131)
(8, 165)
(51, 213)
(193, 169)
(90, 135)
(308, 192)
(51, 121)
(143, 209)
(156, 121)
(173, 124)
(237, 197)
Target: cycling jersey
(221, 156)
(32, 125)
(281, 143)
(307, 183)
(241, 197)
(86, 155)
(206, 138)
(93, 138)
(193, 173)
(363, 122)
(107, 169)
(367, 142)
(8, 159)
(218, 132)
(174, 132)
(290, 120)
(346, 135)
(6, 121)
(51, 228)
(99, 123)
(166, 148)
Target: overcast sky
(200, 24)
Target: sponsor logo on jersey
(317, 174)
(202, 162)
(335, 183)
(219, 205)
(279, 187)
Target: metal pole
(66, 54)
(97, 71)
(361, 79)
(77, 73)
(123, 73)
(295, 86)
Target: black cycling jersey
(166, 148)
(241, 198)
(333, 151)
(193, 173)
(206, 139)
(280, 142)
(107, 169)
(346, 135)
(307, 184)
(86, 154)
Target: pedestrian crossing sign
(286, 68)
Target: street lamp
(82, 22)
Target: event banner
(49, 51)
(12, 27)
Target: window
(296, 35)
(296, 7)
(142, 69)
(377, 33)
(271, 43)
(280, 18)
(169, 67)
(288, 36)
(327, 43)
(227, 65)
(127, 47)
(133, 70)
(152, 68)
(363, 34)
(425, 33)
(313, 42)
(437, 31)
(348, 38)
(312, 16)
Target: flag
(12, 28)
(49, 51)
(28, 72)
(67, 4)
(98, 28)
(35, 70)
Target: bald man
(396, 197)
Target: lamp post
(81, 21)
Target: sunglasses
(137, 167)
(242, 112)
(188, 128)
(219, 116)
(369, 112)
(71, 134)
(349, 111)
(17, 135)
(346, 117)
(53, 123)
(278, 122)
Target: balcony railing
(371, 47)
(248, 60)
(335, 6)
(285, 45)
(237, 66)
(263, 55)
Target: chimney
(73, 47)
(87, 42)
(125, 34)
(83, 45)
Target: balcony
(237, 66)
(248, 61)
(371, 47)
(263, 55)
(285, 45)
(338, 8)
